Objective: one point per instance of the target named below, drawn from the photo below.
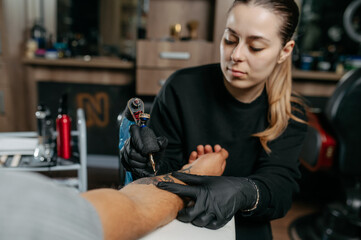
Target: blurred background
(102, 53)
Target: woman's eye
(254, 49)
(229, 42)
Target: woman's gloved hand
(135, 153)
(216, 199)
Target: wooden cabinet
(156, 61)
(158, 57)
(157, 54)
(150, 81)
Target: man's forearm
(141, 207)
(154, 207)
(136, 209)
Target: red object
(63, 127)
(326, 150)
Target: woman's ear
(286, 51)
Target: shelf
(71, 167)
(162, 14)
(315, 75)
(95, 62)
(62, 165)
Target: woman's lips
(236, 73)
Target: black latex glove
(135, 153)
(217, 199)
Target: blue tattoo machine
(133, 114)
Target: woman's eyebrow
(252, 37)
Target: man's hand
(216, 199)
(135, 153)
(211, 164)
(201, 150)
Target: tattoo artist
(245, 104)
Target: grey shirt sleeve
(34, 207)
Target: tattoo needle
(152, 162)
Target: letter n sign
(96, 108)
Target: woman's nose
(238, 54)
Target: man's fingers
(208, 149)
(224, 153)
(200, 150)
(179, 189)
(192, 157)
(217, 148)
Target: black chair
(342, 117)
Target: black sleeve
(166, 121)
(277, 173)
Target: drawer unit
(150, 81)
(157, 60)
(162, 54)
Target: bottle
(44, 149)
(38, 34)
(63, 127)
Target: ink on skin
(165, 178)
(186, 170)
(154, 180)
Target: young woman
(246, 105)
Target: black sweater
(194, 108)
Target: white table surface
(177, 230)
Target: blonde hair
(279, 91)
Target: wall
(18, 16)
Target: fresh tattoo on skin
(163, 178)
(154, 180)
(186, 170)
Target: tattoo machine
(133, 114)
